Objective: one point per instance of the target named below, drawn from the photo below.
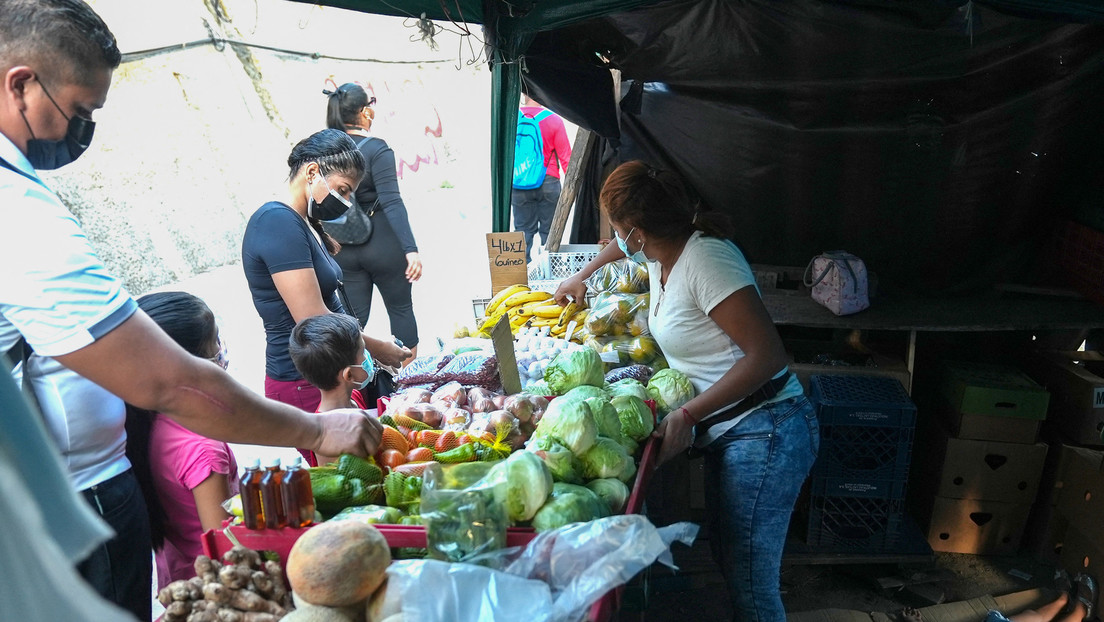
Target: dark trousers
(533, 211)
(121, 569)
(380, 263)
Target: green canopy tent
(902, 131)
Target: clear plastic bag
(626, 350)
(555, 578)
(623, 276)
(617, 314)
(462, 518)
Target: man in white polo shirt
(71, 328)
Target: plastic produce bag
(615, 314)
(623, 276)
(422, 370)
(555, 578)
(462, 517)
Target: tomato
(420, 454)
(392, 459)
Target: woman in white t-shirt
(750, 417)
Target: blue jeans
(753, 474)
(121, 569)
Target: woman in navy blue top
(288, 258)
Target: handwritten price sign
(506, 255)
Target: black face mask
(330, 209)
(46, 155)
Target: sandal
(1086, 591)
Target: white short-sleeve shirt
(58, 296)
(708, 271)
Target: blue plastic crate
(861, 400)
(858, 487)
(864, 452)
(854, 523)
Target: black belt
(768, 390)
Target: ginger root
(242, 556)
(235, 577)
(207, 569)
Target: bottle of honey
(250, 489)
(298, 497)
(272, 495)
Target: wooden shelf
(991, 313)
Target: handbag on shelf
(838, 281)
(356, 228)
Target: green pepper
(412, 490)
(394, 488)
(331, 493)
(463, 453)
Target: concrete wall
(192, 141)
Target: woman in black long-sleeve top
(389, 259)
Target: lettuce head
(628, 386)
(605, 417)
(574, 367)
(606, 458)
(562, 464)
(670, 389)
(568, 504)
(613, 491)
(569, 422)
(637, 421)
(528, 483)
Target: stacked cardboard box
(858, 483)
(986, 462)
(1075, 381)
(1066, 527)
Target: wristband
(690, 417)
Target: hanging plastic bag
(623, 276)
(461, 516)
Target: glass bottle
(298, 497)
(272, 495)
(250, 489)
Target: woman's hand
(677, 434)
(386, 352)
(413, 267)
(572, 286)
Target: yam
(205, 615)
(177, 610)
(207, 568)
(217, 592)
(338, 564)
(235, 577)
(227, 614)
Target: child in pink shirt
(185, 477)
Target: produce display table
(216, 542)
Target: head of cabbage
(637, 421)
(528, 483)
(586, 392)
(607, 458)
(613, 491)
(564, 465)
(670, 389)
(605, 417)
(569, 422)
(574, 367)
(627, 386)
(568, 504)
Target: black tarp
(940, 142)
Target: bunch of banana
(571, 312)
(518, 303)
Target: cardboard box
(977, 526)
(1082, 553)
(1046, 533)
(1075, 381)
(991, 470)
(991, 427)
(869, 364)
(1081, 490)
(992, 390)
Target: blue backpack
(529, 169)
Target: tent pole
(570, 188)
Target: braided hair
(334, 152)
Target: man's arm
(141, 364)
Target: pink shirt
(180, 460)
(557, 149)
